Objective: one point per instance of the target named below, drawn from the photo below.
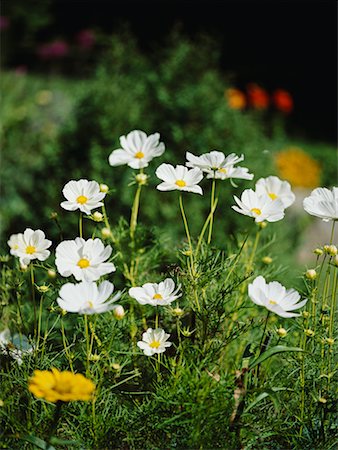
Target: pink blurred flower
(4, 23)
(53, 50)
(85, 39)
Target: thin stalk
(212, 200)
(107, 224)
(204, 228)
(65, 346)
(187, 232)
(53, 427)
(39, 324)
(156, 318)
(33, 296)
(81, 225)
(87, 344)
(135, 209)
(261, 345)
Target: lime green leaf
(272, 351)
(269, 392)
(39, 443)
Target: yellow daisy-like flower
(64, 386)
(298, 168)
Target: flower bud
(51, 273)
(1, 403)
(94, 357)
(43, 288)
(186, 332)
(318, 251)
(282, 332)
(104, 188)
(141, 179)
(332, 250)
(330, 341)
(311, 274)
(309, 333)
(106, 233)
(53, 215)
(306, 314)
(178, 312)
(97, 216)
(187, 253)
(63, 312)
(335, 260)
(119, 312)
(322, 400)
(116, 366)
(267, 260)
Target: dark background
(279, 44)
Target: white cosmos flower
(276, 189)
(83, 259)
(154, 341)
(137, 150)
(260, 207)
(156, 294)
(15, 346)
(83, 195)
(180, 178)
(275, 297)
(217, 165)
(87, 298)
(29, 245)
(322, 203)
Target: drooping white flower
(87, 298)
(322, 203)
(15, 346)
(217, 165)
(276, 189)
(29, 245)
(154, 341)
(137, 150)
(260, 207)
(179, 178)
(156, 294)
(275, 297)
(83, 195)
(83, 259)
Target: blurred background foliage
(64, 109)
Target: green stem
(33, 296)
(87, 344)
(107, 224)
(65, 346)
(212, 201)
(135, 209)
(205, 226)
(156, 318)
(332, 232)
(53, 427)
(39, 324)
(187, 233)
(81, 225)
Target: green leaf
(270, 392)
(37, 442)
(272, 351)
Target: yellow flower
(298, 168)
(64, 386)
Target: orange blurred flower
(258, 97)
(236, 98)
(283, 101)
(298, 168)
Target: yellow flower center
(154, 344)
(82, 199)
(272, 195)
(139, 155)
(30, 249)
(83, 263)
(180, 183)
(256, 211)
(222, 170)
(157, 297)
(272, 302)
(90, 304)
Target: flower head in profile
(275, 297)
(86, 260)
(15, 346)
(257, 96)
(179, 178)
(236, 98)
(83, 195)
(276, 189)
(260, 207)
(29, 245)
(283, 101)
(322, 203)
(154, 341)
(137, 150)
(53, 386)
(156, 294)
(87, 298)
(217, 165)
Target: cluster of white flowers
(88, 260)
